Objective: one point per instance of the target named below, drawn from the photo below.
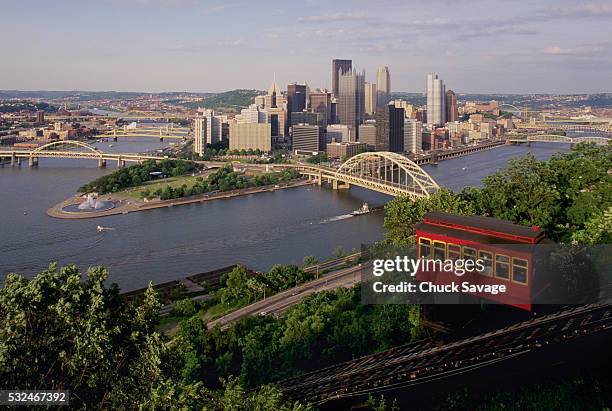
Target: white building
(413, 135)
(370, 98)
(436, 100)
(339, 133)
(213, 126)
(252, 114)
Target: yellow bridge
(385, 172)
(72, 149)
(388, 173)
(553, 138)
(169, 131)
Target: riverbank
(125, 205)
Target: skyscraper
(381, 142)
(213, 126)
(351, 104)
(276, 110)
(383, 85)
(436, 100)
(413, 135)
(396, 128)
(370, 98)
(320, 102)
(339, 67)
(452, 111)
(199, 135)
(296, 99)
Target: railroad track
(423, 361)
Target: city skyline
(185, 45)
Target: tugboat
(364, 209)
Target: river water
(258, 230)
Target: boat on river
(364, 209)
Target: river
(163, 244)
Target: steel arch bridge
(553, 138)
(385, 172)
(72, 149)
(66, 148)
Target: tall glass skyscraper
(351, 99)
(339, 67)
(436, 100)
(383, 86)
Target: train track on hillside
(424, 361)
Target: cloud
(574, 51)
(582, 10)
(335, 17)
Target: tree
(59, 332)
(402, 213)
(309, 261)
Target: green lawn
(153, 185)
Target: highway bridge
(388, 173)
(553, 138)
(570, 126)
(168, 131)
(385, 172)
(72, 149)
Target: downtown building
(413, 136)
(199, 135)
(436, 101)
(339, 67)
(383, 86)
(371, 97)
(389, 129)
(452, 109)
(307, 138)
(250, 136)
(296, 99)
(320, 103)
(214, 125)
(351, 100)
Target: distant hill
(232, 100)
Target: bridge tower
(161, 136)
(101, 162)
(33, 161)
(115, 134)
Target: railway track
(423, 361)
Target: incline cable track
(423, 361)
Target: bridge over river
(385, 172)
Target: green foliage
(566, 195)
(225, 179)
(339, 252)
(309, 261)
(137, 174)
(59, 332)
(239, 286)
(324, 329)
(185, 307)
(402, 213)
(233, 100)
(318, 158)
(572, 394)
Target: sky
(476, 46)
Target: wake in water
(336, 218)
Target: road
(281, 302)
